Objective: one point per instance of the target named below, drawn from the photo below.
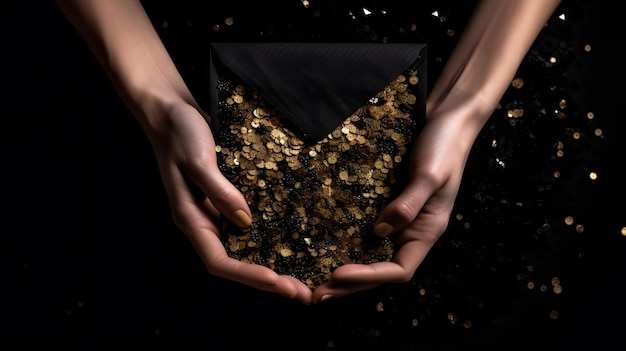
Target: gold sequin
(314, 203)
(379, 307)
(517, 83)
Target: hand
(418, 216)
(198, 193)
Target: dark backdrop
(92, 259)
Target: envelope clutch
(317, 138)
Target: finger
(337, 289)
(378, 272)
(414, 244)
(197, 218)
(192, 149)
(303, 293)
(262, 278)
(218, 263)
(400, 212)
(226, 198)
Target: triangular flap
(316, 85)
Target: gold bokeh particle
(517, 83)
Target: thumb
(403, 210)
(222, 194)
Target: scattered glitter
(517, 83)
(379, 307)
(554, 314)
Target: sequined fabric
(313, 203)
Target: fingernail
(241, 219)
(383, 229)
(326, 297)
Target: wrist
(154, 101)
(464, 113)
(151, 107)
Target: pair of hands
(198, 193)
(477, 73)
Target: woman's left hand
(417, 217)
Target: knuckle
(405, 211)
(198, 163)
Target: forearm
(486, 58)
(122, 38)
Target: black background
(92, 258)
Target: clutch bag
(316, 136)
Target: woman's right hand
(199, 193)
(124, 41)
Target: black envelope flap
(316, 85)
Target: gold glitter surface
(313, 204)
